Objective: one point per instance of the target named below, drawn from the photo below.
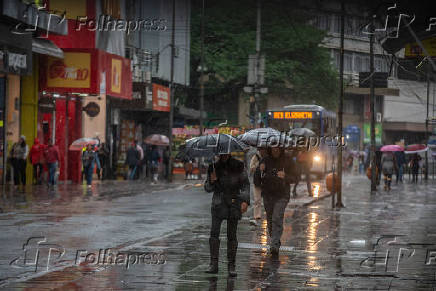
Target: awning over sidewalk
(46, 47)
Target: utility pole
(202, 71)
(170, 127)
(372, 101)
(256, 84)
(340, 110)
(426, 120)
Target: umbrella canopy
(83, 142)
(157, 139)
(301, 132)
(415, 148)
(392, 148)
(213, 144)
(187, 152)
(259, 137)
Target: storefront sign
(413, 50)
(116, 76)
(17, 61)
(367, 133)
(92, 109)
(161, 98)
(74, 71)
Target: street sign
(256, 74)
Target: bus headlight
(317, 158)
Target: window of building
(112, 8)
(348, 106)
(348, 62)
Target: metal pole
(372, 101)
(426, 121)
(340, 109)
(5, 130)
(170, 126)
(202, 71)
(257, 67)
(67, 132)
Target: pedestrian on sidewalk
(155, 158)
(228, 181)
(305, 162)
(103, 155)
(19, 153)
(414, 166)
(256, 190)
(51, 156)
(36, 157)
(133, 159)
(400, 158)
(166, 161)
(388, 165)
(274, 175)
(139, 167)
(89, 160)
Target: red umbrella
(157, 139)
(416, 148)
(392, 148)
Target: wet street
(120, 236)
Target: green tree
(295, 61)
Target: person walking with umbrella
(388, 164)
(89, 159)
(254, 163)
(228, 181)
(400, 158)
(275, 174)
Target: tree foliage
(295, 62)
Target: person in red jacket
(36, 156)
(51, 154)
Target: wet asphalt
(136, 236)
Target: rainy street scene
(217, 145)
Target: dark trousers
(19, 171)
(88, 173)
(232, 227)
(51, 173)
(37, 172)
(275, 211)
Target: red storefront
(84, 75)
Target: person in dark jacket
(274, 175)
(132, 160)
(414, 166)
(89, 160)
(400, 157)
(228, 181)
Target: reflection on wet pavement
(385, 241)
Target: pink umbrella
(392, 148)
(416, 148)
(157, 139)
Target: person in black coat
(274, 175)
(228, 181)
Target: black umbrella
(217, 143)
(259, 137)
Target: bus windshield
(286, 125)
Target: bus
(314, 117)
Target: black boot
(214, 246)
(232, 247)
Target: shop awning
(46, 47)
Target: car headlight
(316, 158)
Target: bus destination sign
(292, 115)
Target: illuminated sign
(71, 72)
(292, 115)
